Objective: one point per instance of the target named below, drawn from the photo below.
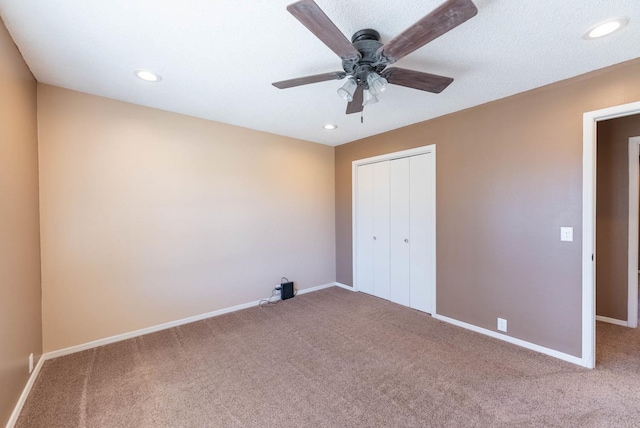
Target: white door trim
(634, 190)
(354, 176)
(589, 144)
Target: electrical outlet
(31, 362)
(502, 324)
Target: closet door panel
(364, 228)
(399, 242)
(422, 226)
(381, 230)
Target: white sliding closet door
(422, 226)
(364, 228)
(381, 230)
(400, 232)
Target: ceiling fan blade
(356, 106)
(446, 17)
(416, 79)
(312, 17)
(284, 84)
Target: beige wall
(612, 215)
(150, 216)
(20, 317)
(509, 174)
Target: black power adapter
(286, 290)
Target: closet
(394, 227)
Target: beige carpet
(334, 358)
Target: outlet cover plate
(502, 324)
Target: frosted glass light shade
(348, 89)
(377, 84)
(369, 98)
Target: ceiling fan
(365, 58)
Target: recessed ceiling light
(330, 126)
(148, 76)
(606, 28)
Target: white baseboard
(143, 331)
(612, 321)
(319, 287)
(513, 340)
(25, 393)
(310, 290)
(346, 287)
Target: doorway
(634, 230)
(617, 221)
(590, 122)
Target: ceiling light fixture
(606, 28)
(369, 98)
(377, 84)
(348, 89)
(330, 126)
(148, 76)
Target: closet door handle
(406, 240)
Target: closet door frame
(431, 149)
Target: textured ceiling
(218, 58)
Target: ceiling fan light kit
(365, 58)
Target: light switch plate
(566, 234)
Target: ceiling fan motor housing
(367, 42)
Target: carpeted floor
(334, 358)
